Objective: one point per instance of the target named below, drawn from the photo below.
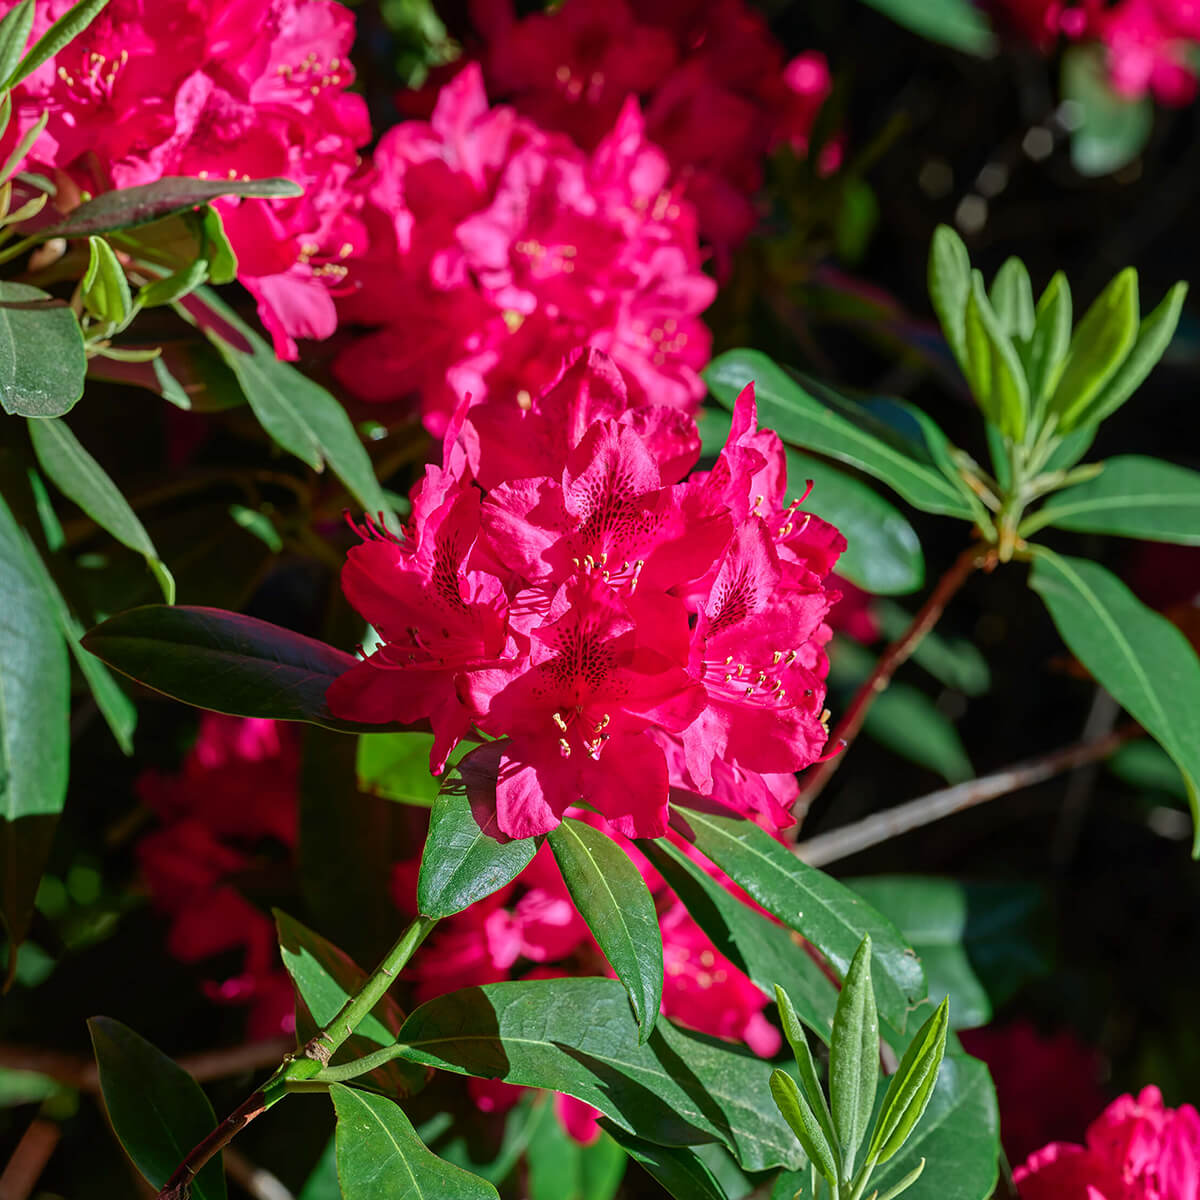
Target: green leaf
(1101, 342)
(1113, 130)
(788, 408)
(222, 258)
(955, 23)
(322, 1182)
(174, 287)
(854, 1057)
(1044, 354)
(82, 479)
(396, 766)
(677, 1170)
(554, 1161)
(1153, 337)
(578, 1036)
(1134, 496)
(904, 1184)
(157, 1109)
(15, 157)
(46, 384)
(105, 288)
(932, 914)
(127, 208)
(805, 1067)
(603, 1166)
(14, 34)
(324, 979)
(959, 1137)
(65, 30)
(379, 1154)
(884, 553)
(1070, 449)
(804, 1124)
(992, 368)
(759, 948)
(1137, 656)
(298, 413)
(464, 860)
(225, 662)
(611, 896)
(1012, 299)
(949, 282)
(1148, 767)
(954, 661)
(830, 916)
(34, 713)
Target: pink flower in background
(222, 89)
(499, 249)
(1137, 1149)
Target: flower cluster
(497, 249)
(716, 91)
(1137, 1149)
(620, 630)
(222, 89)
(237, 788)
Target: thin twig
(29, 1159)
(882, 827)
(972, 558)
(179, 1186)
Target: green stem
(360, 1066)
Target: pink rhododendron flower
(498, 249)
(1150, 46)
(223, 89)
(1137, 1149)
(616, 631)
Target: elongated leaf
(1012, 299)
(993, 369)
(324, 979)
(82, 479)
(804, 1124)
(678, 1170)
(954, 661)
(225, 662)
(1134, 496)
(958, 1136)
(611, 896)
(1139, 657)
(1044, 354)
(884, 553)
(396, 766)
(157, 1109)
(854, 1057)
(34, 713)
(48, 383)
(578, 1036)
(133, 206)
(65, 30)
(1114, 129)
(759, 948)
(955, 23)
(805, 1067)
(105, 288)
(298, 413)
(949, 281)
(788, 408)
(827, 913)
(14, 33)
(466, 856)
(379, 1154)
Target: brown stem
(179, 1186)
(972, 558)
(882, 827)
(29, 1159)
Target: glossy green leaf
(65, 30)
(82, 479)
(932, 914)
(224, 661)
(955, 23)
(379, 1154)
(464, 860)
(883, 555)
(324, 978)
(958, 1136)
(787, 407)
(174, 287)
(1153, 337)
(854, 1057)
(759, 948)
(1044, 354)
(954, 661)
(1068, 450)
(1012, 299)
(992, 367)
(949, 282)
(218, 250)
(14, 34)
(611, 896)
(1135, 654)
(830, 916)
(1134, 496)
(46, 384)
(298, 413)
(105, 289)
(34, 713)
(157, 1109)
(677, 1170)
(804, 1124)
(1099, 346)
(805, 1067)
(1113, 130)
(578, 1036)
(396, 766)
(126, 208)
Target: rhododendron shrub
(621, 631)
